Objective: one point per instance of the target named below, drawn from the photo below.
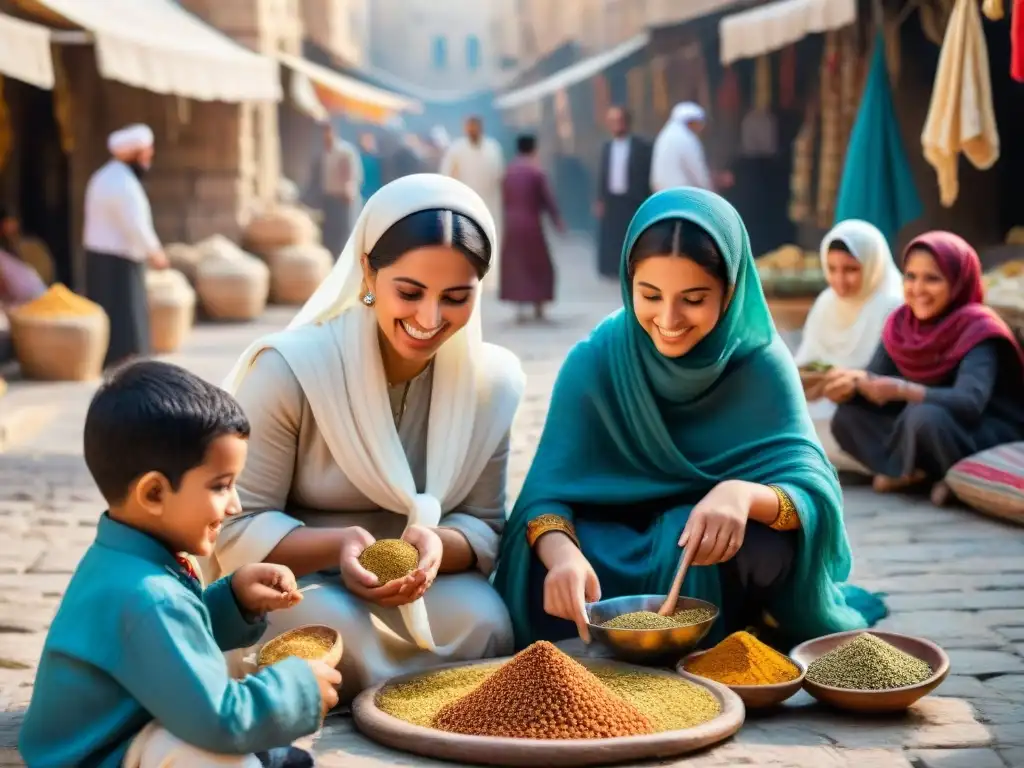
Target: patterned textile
(992, 481)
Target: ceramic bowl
(892, 700)
(756, 696)
(331, 657)
(656, 647)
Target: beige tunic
(292, 479)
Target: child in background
(132, 673)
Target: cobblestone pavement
(951, 576)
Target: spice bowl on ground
(873, 701)
(755, 696)
(312, 642)
(656, 647)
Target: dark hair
(428, 228)
(839, 245)
(679, 237)
(627, 116)
(154, 417)
(475, 119)
(526, 143)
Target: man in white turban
(678, 158)
(120, 241)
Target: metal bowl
(656, 647)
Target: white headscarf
(131, 138)
(678, 158)
(332, 347)
(845, 332)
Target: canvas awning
(25, 52)
(571, 75)
(354, 98)
(159, 46)
(773, 26)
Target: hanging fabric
(787, 78)
(1017, 42)
(878, 183)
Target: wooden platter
(549, 753)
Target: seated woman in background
(19, 281)
(845, 324)
(680, 422)
(946, 381)
(381, 414)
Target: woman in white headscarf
(678, 157)
(378, 414)
(844, 327)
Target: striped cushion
(992, 481)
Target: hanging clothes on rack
(961, 116)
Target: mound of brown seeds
(390, 559)
(868, 663)
(542, 693)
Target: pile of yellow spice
(58, 301)
(742, 659)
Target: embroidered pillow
(992, 481)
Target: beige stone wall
(403, 35)
(338, 26)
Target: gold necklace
(401, 406)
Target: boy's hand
(264, 587)
(328, 678)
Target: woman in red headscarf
(946, 382)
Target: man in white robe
(476, 160)
(120, 240)
(678, 158)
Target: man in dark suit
(624, 183)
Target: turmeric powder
(742, 659)
(58, 301)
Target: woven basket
(278, 228)
(170, 323)
(234, 295)
(184, 258)
(1014, 317)
(297, 271)
(61, 348)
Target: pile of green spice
(652, 620)
(390, 559)
(868, 663)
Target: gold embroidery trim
(547, 523)
(787, 519)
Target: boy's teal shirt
(137, 639)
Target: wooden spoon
(685, 558)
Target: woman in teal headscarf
(681, 421)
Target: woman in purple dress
(527, 274)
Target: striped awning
(772, 27)
(159, 46)
(25, 52)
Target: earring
(369, 298)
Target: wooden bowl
(459, 748)
(754, 696)
(331, 657)
(874, 702)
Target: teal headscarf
(628, 425)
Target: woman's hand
(881, 389)
(363, 584)
(431, 550)
(570, 582)
(718, 523)
(841, 384)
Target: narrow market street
(952, 576)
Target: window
(439, 52)
(473, 52)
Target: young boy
(132, 673)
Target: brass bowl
(655, 647)
(331, 657)
(754, 696)
(874, 702)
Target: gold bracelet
(546, 524)
(787, 519)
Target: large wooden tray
(551, 753)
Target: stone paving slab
(952, 576)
